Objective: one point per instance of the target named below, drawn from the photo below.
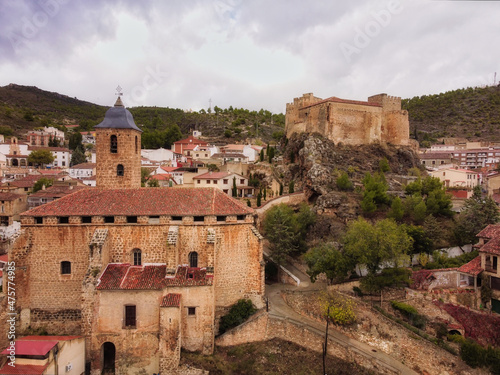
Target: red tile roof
(473, 267)
(9, 196)
(57, 191)
(33, 347)
(171, 300)
(84, 166)
(22, 369)
(143, 202)
(169, 169)
(4, 258)
(492, 230)
(334, 99)
(191, 140)
(491, 247)
(123, 276)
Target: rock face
(318, 162)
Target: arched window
(193, 259)
(114, 144)
(65, 268)
(120, 171)
(137, 257)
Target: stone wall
(350, 122)
(128, 155)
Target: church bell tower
(118, 150)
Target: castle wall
(128, 154)
(350, 122)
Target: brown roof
(228, 155)
(9, 196)
(473, 267)
(123, 276)
(143, 202)
(33, 148)
(491, 247)
(436, 155)
(492, 230)
(171, 300)
(213, 175)
(58, 191)
(84, 166)
(191, 140)
(334, 99)
(27, 181)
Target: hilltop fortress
(351, 122)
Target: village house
(62, 155)
(250, 152)
(181, 145)
(138, 272)
(43, 136)
(176, 172)
(457, 178)
(56, 191)
(225, 181)
(225, 158)
(82, 170)
(11, 205)
(436, 159)
(161, 156)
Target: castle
(379, 120)
(139, 272)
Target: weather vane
(119, 91)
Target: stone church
(139, 272)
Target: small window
(38, 220)
(221, 218)
(225, 181)
(86, 219)
(240, 217)
(199, 218)
(199, 181)
(176, 218)
(113, 144)
(137, 257)
(65, 268)
(109, 219)
(242, 181)
(193, 259)
(63, 220)
(191, 311)
(120, 171)
(208, 181)
(132, 219)
(130, 316)
(215, 182)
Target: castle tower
(118, 150)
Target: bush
(344, 183)
(238, 313)
(472, 353)
(411, 313)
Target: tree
(75, 140)
(397, 211)
(421, 242)
(144, 176)
(387, 278)
(153, 182)
(327, 259)
(476, 214)
(262, 155)
(40, 157)
(259, 198)
(291, 187)
(44, 181)
(384, 165)
(375, 191)
(338, 308)
(279, 228)
(77, 157)
(234, 190)
(281, 189)
(343, 182)
(373, 245)
(271, 154)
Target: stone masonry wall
(128, 154)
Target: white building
(225, 181)
(62, 155)
(82, 170)
(455, 177)
(161, 155)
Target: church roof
(118, 117)
(143, 202)
(123, 276)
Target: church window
(193, 259)
(130, 316)
(114, 144)
(120, 171)
(65, 268)
(137, 257)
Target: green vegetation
(77, 157)
(286, 230)
(326, 258)
(338, 308)
(441, 260)
(476, 356)
(237, 314)
(375, 193)
(409, 312)
(469, 112)
(40, 157)
(344, 183)
(44, 181)
(387, 278)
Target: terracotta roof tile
(171, 300)
(9, 196)
(143, 202)
(213, 175)
(84, 166)
(33, 347)
(473, 267)
(57, 191)
(123, 276)
(490, 231)
(491, 247)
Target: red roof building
(181, 145)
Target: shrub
(344, 183)
(337, 308)
(238, 313)
(472, 353)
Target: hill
(23, 108)
(473, 113)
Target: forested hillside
(472, 113)
(23, 108)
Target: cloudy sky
(247, 53)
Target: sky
(194, 54)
